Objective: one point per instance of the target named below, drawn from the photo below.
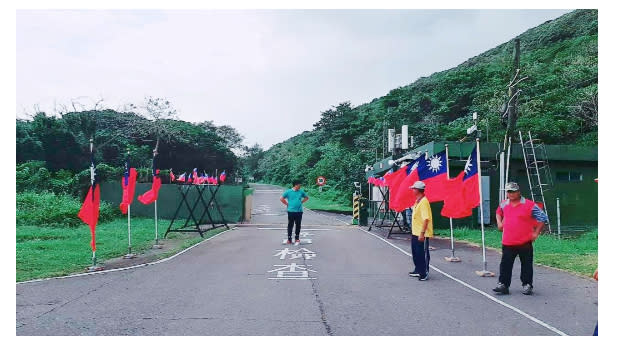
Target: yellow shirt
(421, 211)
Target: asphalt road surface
(343, 280)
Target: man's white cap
(418, 185)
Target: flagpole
(94, 267)
(484, 272)
(129, 254)
(452, 258)
(157, 245)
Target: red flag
(471, 188)
(128, 182)
(454, 205)
(405, 198)
(394, 184)
(150, 196)
(387, 177)
(432, 172)
(89, 213)
(171, 175)
(194, 176)
(223, 176)
(181, 178)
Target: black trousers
(526, 256)
(294, 218)
(420, 255)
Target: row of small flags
(89, 212)
(459, 194)
(194, 178)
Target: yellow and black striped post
(356, 209)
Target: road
(343, 281)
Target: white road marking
(303, 229)
(538, 321)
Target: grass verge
(578, 255)
(43, 252)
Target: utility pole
(511, 119)
(513, 93)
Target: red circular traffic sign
(320, 180)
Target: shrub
(50, 209)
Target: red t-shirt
(518, 222)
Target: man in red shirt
(521, 221)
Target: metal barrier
(212, 205)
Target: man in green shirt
(293, 198)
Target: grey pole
(452, 258)
(484, 272)
(558, 207)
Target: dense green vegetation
(578, 254)
(53, 152)
(558, 104)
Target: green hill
(558, 104)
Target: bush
(50, 209)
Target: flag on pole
(398, 182)
(395, 182)
(405, 198)
(471, 189)
(181, 178)
(454, 205)
(194, 176)
(128, 182)
(89, 213)
(223, 176)
(432, 171)
(150, 196)
(387, 177)
(171, 175)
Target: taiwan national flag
(405, 197)
(387, 177)
(454, 205)
(223, 176)
(471, 188)
(190, 178)
(89, 213)
(181, 178)
(171, 175)
(195, 177)
(150, 196)
(432, 172)
(380, 181)
(128, 182)
(396, 181)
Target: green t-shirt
(294, 200)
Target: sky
(267, 73)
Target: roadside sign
(320, 180)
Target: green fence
(230, 199)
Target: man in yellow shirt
(421, 230)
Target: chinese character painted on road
(296, 254)
(301, 241)
(292, 271)
(306, 234)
